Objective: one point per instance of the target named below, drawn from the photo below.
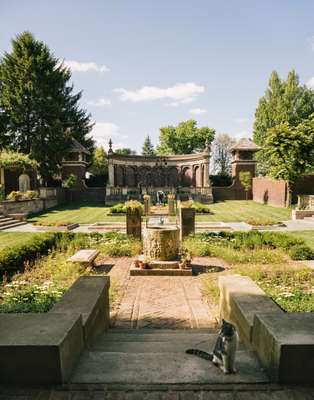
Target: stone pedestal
(161, 243)
(186, 221)
(171, 208)
(134, 224)
(146, 204)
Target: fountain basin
(161, 243)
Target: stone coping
(284, 342)
(44, 348)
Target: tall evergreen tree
(39, 113)
(148, 148)
(283, 101)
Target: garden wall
(232, 192)
(269, 191)
(91, 195)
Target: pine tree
(148, 148)
(38, 110)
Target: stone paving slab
(162, 368)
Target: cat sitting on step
(225, 348)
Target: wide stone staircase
(157, 356)
(8, 222)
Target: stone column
(146, 204)
(110, 174)
(134, 223)
(186, 221)
(206, 175)
(171, 201)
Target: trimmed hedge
(16, 257)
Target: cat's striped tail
(200, 353)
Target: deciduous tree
(185, 138)
(221, 153)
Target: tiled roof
(77, 147)
(245, 144)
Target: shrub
(119, 208)
(134, 207)
(30, 194)
(201, 208)
(15, 196)
(21, 297)
(301, 252)
(16, 257)
(52, 223)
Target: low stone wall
(301, 214)
(283, 342)
(27, 206)
(91, 195)
(44, 348)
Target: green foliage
(220, 180)
(21, 297)
(70, 181)
(285, 101)
(185, 138)
(30, 194)
(200, 208)
(99, 165)
(134, 207)
(14, 159)
(119, 208)
(301, 252)
(290, 151)
(38, 111)
(246, 181)
(125, 151)
(148, 148)
(261, 221)
(15, 196)
(253, 246)
(16, 257)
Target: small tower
(75, 162)
(243, 157)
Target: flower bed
(55, 226)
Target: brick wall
(269, 191)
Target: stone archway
(24, 183)
(130, 177)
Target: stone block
(134, 224)
(301, 214)
(161, 243)
(186, 221)
(240, 300)
(39, 348)
(89, 296)
(285, 345)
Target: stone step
(11, 224)
(4, 219)
(160, 272)
(162, 368)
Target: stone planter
(161, 243)
(146, 204)
(186, 221)
(56, 228)
(171, 205)
(134, 224)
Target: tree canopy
(290, 151)
(221, 153)
(125, 151)
(284, 101)
(185, 138)
(148, 148)
(39, 113)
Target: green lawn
(8, 239)
(241, 210)
(226, 211)
(79, 213)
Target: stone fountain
(161, 252)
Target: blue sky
(143, 64)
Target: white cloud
(310, 83)
(77, 66)
(198, 111)
(99, 103)
(103, 131)
(243, 134)
(180, 93)
(240, 120)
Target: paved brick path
(168, 302)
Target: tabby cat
(225, 348)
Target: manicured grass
(9, 239)
(79, 213)
(241, 210)
(226, 211)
